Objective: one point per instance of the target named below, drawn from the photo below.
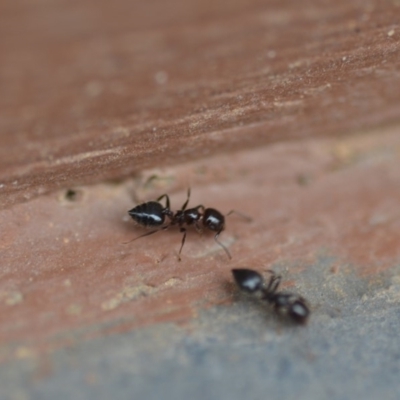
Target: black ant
(287, 304)
(152, 214)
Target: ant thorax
(188, 217)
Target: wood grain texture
(93, 91)
(287, 113)
(67, 275)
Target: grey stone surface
(349, 350)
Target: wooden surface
(92, 90)
(287, 113)
(67, 272)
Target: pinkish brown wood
(289, 115)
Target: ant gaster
(288, 304)
(152, 214)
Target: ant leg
(198, 228)
(182, 230)
(187, 201)
(196, 222)
(226, 250)
(147, 234)
(273, 283)
(167, 205)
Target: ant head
(248, 280)
(213, 220)
(291, 305)
(299, 311)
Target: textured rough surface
(231, 353)
(288, 115)
(83, 314)
(94, 90)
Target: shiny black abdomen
(248, 280)
(148, 214)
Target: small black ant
(284, 303)
(152, 214)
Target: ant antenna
(244, 216)
(187, 201)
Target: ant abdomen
(249, 281)
(150, 214)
